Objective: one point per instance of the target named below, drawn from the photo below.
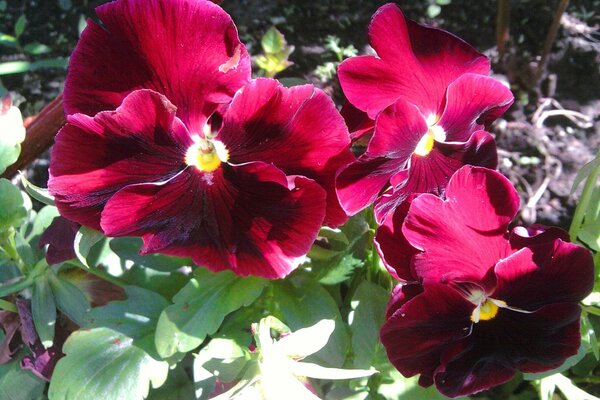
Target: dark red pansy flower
(430, 112)
(249, 197)
(240, 184)
(490, 302)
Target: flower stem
(584, 201)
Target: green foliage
(43, 310)
(18, 384)
(103, 363)
(12, 209)
(200, 307)
(69, 299)
(276, 52)
(127, 248)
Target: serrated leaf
(43, 310)
(85, 239)
(200, 308)
(104, 364)
(12, 210)
(302, 302)
(128, 249)
(368, 315)
(69, 299)
(40, 194)
(19, 384)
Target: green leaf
(20, 25)
(273, 41)
(40, 194)
(164, 283)
(24, 249)
(85, 239)
(13, 134)
(368, 315)
(589, 233)
(135, 317)
(35, 49)
(128, 247)
(584, 172)
(179, 386)
(200, 308)
(69, 299)
(302, 302)
(12, 211)
(104, 364)
(19, 384)
(17, 67)
(43, 310)
(41, 221)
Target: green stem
(584, 201)
(7, 306)
(7, 244)
(592, 310)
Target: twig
(550, 38)
(502, 27)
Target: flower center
(435, 132)
(485, 311)
(206, 154)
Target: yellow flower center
(435, 132)
(485, 311)
(206, 154)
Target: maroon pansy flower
(60, 238)
(430, 112)
(490, 303)
(246, 190)
(248, 197)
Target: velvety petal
(464, 236)
(298, 129)
(393, 248)
(418, 332)
(430, 60)
(401, 294)
(534, 342)
(187, 50)
(93, 158)
(360, 183)
(431, 173)
(249, 218)
(536, 234)
(60, 238)
(358, 122)
(473, 102)
(553, 272)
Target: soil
(540, 152)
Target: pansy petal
(393, 248)
(473, 102)
(95, 157)
(187, 50)
(534, 342)
(536, 234)
(418, 332)
(250, 218)
(360, 183)
(431, 173)
(431, 60)
(298, 129)
(60, 238)
(358, 122)
(474, 218)
(553, 272)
